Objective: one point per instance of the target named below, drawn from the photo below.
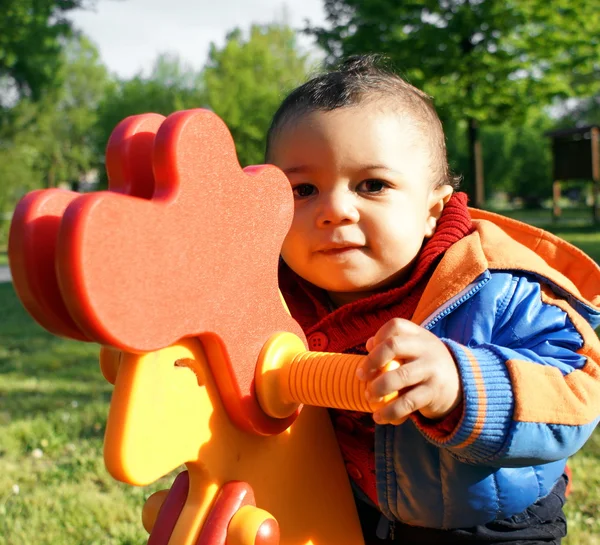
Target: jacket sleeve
(531, 383)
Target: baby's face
(364, 200)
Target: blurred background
(503, 76)
(516, 83)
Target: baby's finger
(404, 376)
(396, 327)
(404, 405)
(371, 365)
(399, 348)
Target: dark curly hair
(358, 79)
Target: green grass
(583, 505)
(4, 228)
(54, 488)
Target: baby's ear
(437, 200)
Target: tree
(49, 141)
(170, 86)
(582, 112)
(71, 114)
(519, 160)
(32, 36)
(246, 80)
(486, 61)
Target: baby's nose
(338, 208)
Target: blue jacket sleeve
(531, 383)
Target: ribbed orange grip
(287, 376)
(327, 380)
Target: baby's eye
(301, 191)
(371, 186)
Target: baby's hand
(426, 380)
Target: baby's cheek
(294, 253)
(289, 249)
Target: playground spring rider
(173, 271)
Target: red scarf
(348, 327)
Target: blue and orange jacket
(517, 308)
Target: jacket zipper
(392, 533)
(454, 302)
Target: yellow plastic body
(166, 411)
(287, 375)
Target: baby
(491, 320)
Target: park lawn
(54, 488)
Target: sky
(130, 34)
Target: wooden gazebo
(576, 156)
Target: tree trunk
(51, 177)
(476, 187)
(52, 169)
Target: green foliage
(584, 112)
(170, 86)
(63, 135)
(20, 173)
(518, 159)
(49, 141)
(489, 60)
(68, 116)
(247, 79)
(243, 83)
(32, 34)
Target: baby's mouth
(339, 249)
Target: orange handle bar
(287, 376)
